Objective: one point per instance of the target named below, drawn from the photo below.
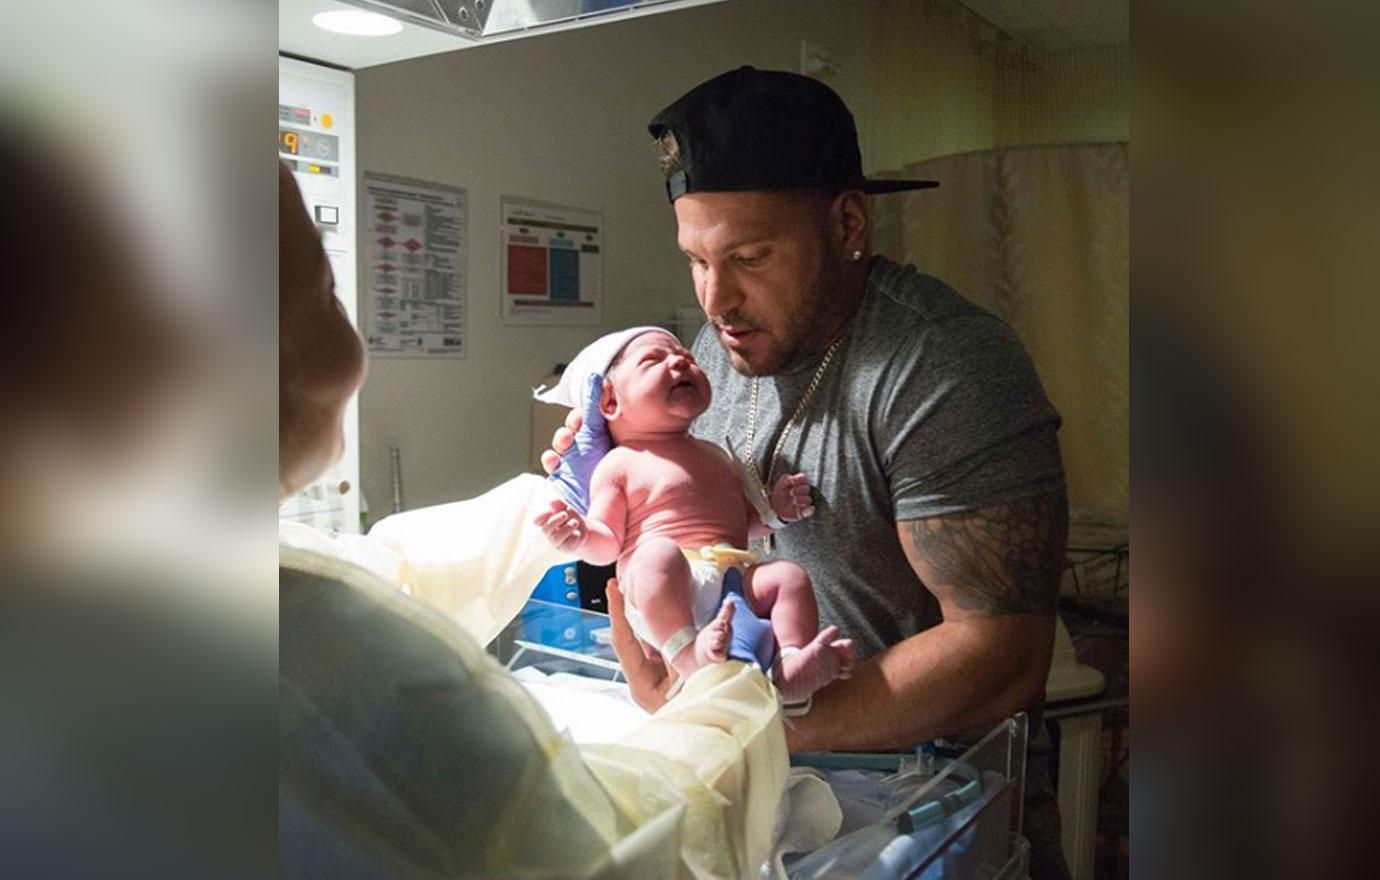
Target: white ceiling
(1059, 24)
(1042, 24)
(298, 36)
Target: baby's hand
(791, 498)
(563, 526)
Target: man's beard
(809, 332)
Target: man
(941, 519)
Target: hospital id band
(795, 710)
(677, 641)
(756, 493)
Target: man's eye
(752, 259)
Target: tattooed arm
(995, 572)
(994, 561)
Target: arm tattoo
(1006, 559)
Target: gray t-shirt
(930, 406)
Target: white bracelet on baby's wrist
(795, 710)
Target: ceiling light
(356, 23)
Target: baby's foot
(711, 643)
(824, 660)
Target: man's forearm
(952, 678)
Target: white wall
(559, 118)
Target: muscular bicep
(1006, 559)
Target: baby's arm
(608, 511)
(598, 537)
(790, 501)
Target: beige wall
(936, 84)
(1074, 96)
(561, 118)
(946, 82)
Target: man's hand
(649, 678)
(578, 447)
(790, 498)
(563, 526)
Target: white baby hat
(594, 358)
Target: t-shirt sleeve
(962, 421)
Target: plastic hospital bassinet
(939, 811)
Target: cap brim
(876, 187)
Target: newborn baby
(671, 510)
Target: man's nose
(719, 297)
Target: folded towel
(808, 819)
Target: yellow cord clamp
(724, 556)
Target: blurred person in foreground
(135, 738)
(941, 517)
(406, 751)
(90, 358)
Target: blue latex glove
(571, 477)
(752, 640)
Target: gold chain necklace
(791, 423)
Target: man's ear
(848, 219)
(608, 402)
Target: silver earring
(856, 255)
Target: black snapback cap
(752, 129)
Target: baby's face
(657, 383)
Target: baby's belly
(688, 528)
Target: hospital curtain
(1040, 236)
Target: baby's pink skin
(659, 489)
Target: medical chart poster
(552, 271)
(415, 246)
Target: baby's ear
(608, 401)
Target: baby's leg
(781, 590)
(809, 659)
(659, 579)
